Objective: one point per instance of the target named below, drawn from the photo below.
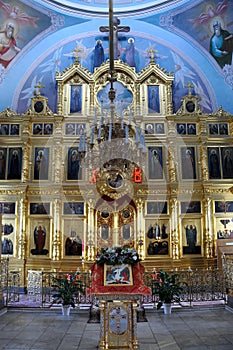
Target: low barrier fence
(201, 286)
(227, 262)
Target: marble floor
(185, 329)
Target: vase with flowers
(117, 256)
(168, 288)
(66, 287)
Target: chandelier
(113, 151)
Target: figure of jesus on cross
(116, 29)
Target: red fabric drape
(97, 283)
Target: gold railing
(10, 282)
(47, 282)
(202, 285)
(227, 263)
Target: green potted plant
(167, 287)
(66, 288)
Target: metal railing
(47, 282)
(227, 262)
(201, 286)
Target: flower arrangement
(66, 287)
(167, 287)
(117, 256)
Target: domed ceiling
(180, 31)
(125, 7)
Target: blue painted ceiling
(46, 33)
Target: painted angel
(211, 12)
(13, 12)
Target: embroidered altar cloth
(97, 283)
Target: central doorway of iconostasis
(116, 223)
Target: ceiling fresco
(46, 33)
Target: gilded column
(140, 231)
(90, 232)
(171, 128)
(138, 103)
(208, 237)
(56, 244)
(174, 230)
(25, 162)
(0, 241)
(115, 235)
(1, 270)
(169, 99)
(57, 162)
(60, 96)
(204, 162)
(22, 229)
(172, 162)
(92, 96)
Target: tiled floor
(184, 329)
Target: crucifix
(39, 87)
(76, 53)
(116, 29)
(189, 86)
(151, 53)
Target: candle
(136, 132)
(92, 135)
(130, 116)
(81, 144)
(82, 247)
(126, 132)
(99, 131)
(110, 132)
(122, 123)
(95, 117)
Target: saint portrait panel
(149, 128)
(74, 169)
(76, 208)
(157, 207)
(76, 99)
(48, 129)
(3, 159)
(188, 163)
(105, 232)
(159, 128)
(4, 129)
(37, 129)
(191, 237)
(41, 162)
(14, 164)
(14, 130)
(155, 163)
(191, 129)
(153, 99)
(181, 128)
(214, 163)
(227, 162)
(7, 208)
